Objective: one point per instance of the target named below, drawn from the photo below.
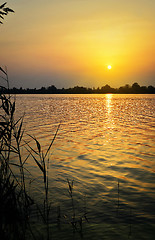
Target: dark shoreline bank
(127, 89)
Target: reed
(13, 189)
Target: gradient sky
(71, 42)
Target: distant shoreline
(127, 89)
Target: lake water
(106, 144)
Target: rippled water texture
(106, 144)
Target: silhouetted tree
(42, 90)
(144, 89)
(52, 89)
(107, 89)
(120, 90)
(125, 89)
(151, 89)
(135, 88)
(4, 11)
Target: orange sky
(71, 42)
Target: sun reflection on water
(109, 109)
(108, 102)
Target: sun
(109, 67)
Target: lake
(105, 143)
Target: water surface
(106, 145)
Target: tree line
(127, 89)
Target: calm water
(102, 140)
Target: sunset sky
(72, 42)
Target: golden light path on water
(102, 139)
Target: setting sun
(83, 43)
(109, 67)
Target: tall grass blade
(52, 141)
(37, 142)
(26, 143)
(1, 69)
(39, 165)
(19, 130)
